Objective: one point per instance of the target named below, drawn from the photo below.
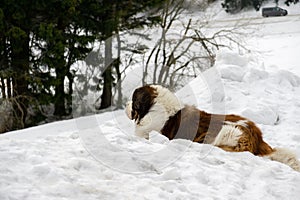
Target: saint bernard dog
(154, 107)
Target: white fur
(229, 135)
(168, 100)
(243, 123)
(154, 120)
(166, 104)
(285, 156)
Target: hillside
(98, 157)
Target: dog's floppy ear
(142, 101)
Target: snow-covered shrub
(6, 119)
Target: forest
(41, 40)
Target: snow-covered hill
(98, 157)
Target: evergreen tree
(65, 31)
(16, 17)
(40, 40)
(288, 2)
(233, 6)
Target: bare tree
(171, 54)
(179, 55)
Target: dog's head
(154, 98)
(143, 99)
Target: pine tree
(67, 30)
(15, 35)
(288, 2)
(40, 40)
(234, 6)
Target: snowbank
(98, 157)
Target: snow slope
(98, 157)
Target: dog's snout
(128, 109)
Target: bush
(6, 119)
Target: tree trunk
(20, 64)
(59, 102)
(3, 92)
(119, 81)
(8, 83)
(69, 96)
(61, 71)
(106, 96)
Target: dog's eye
(135, 106)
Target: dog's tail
(285, 156)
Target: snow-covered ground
(98, 157)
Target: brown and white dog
(154, 107)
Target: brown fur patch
(143, 99)
(199, 126)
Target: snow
(98, 156)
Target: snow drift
(98, 157)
